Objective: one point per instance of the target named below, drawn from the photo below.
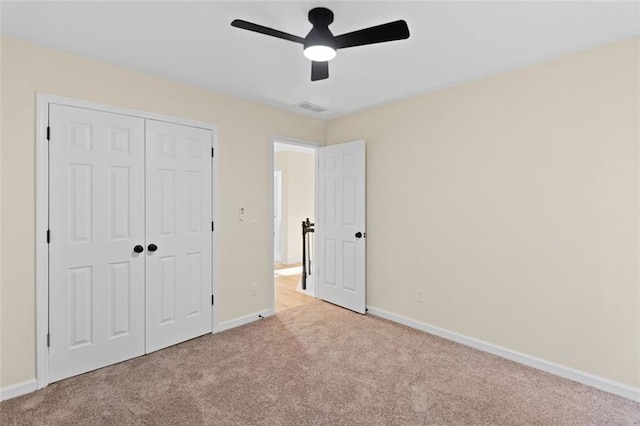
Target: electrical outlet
(419, 295)
(253, 288)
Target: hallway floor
(287, 278)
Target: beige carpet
(319, 364)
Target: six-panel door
(340, 225)
(96, 280)
(178, 222)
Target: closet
(130, 243)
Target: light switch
(241, 213)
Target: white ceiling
(193, 42)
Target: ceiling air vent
(311, 107)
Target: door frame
(43, 100)
(306, 144)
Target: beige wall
(1, 208)
(244, 130)
(512, 202)
(298, 181)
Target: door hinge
(48, 133)
(48, 339)
(212, 152)
(212, 299)
(213, 226)
(48, 236)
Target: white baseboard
(237, 322)
(18, 389)
(588, 379)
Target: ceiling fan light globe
(320, 53)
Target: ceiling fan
(320, 44)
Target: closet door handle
(138, 249)
(152, 247)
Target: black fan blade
(319, 70)
(239, 23)
(396, 30)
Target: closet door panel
(178, 223)
(96, 218)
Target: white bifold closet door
(115, 186)
(96, 217)
(179, 224)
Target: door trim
(290, 141)
(43, 100)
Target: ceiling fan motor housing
(320, 34)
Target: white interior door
(178, 223)
(341, 225)
(96, 279)
(277, 215)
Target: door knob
(358, 234)
(138, 249)
(152, 247)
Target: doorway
(294, 181)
